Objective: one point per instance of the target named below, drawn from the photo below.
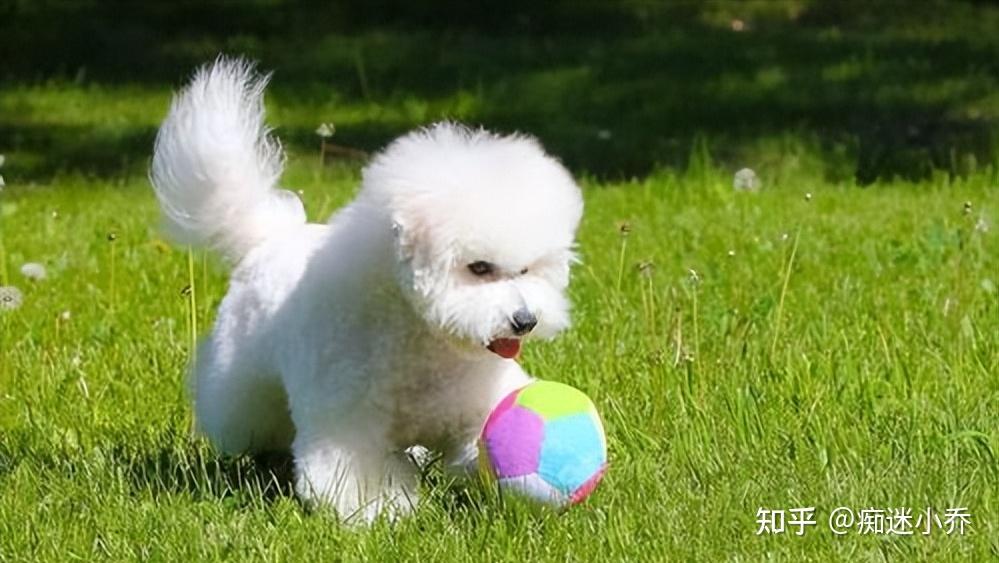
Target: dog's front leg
(356, 478)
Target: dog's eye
(524, 271)
(480, 268)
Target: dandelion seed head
(746, 180)
(112, 236)
(693, 276)
(10, 297)
(731, 254)
(65, 315)
(624, 228)
(808, 196)
(646, 268)
(967, 207)
(982, 225)
(55, 214)
(604, 134)
(326, 130)
(34, 271)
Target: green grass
(745, 350)
(874, 384)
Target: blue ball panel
(572, 451)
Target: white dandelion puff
(982, 225)
(646, 268)
(746, 180)
(10, 297)
(65, 315)
(604, 134)
(34, 271)
(326, 130)
(808, 196)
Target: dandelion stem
(362, 75)
(192, 304)
(620, 264)
(697, 334)
(111, 284)
(783, 293)
(3, 264)
(678, 338)
(651, 314)
(645, 304)
(204, 283)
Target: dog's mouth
(507, 348)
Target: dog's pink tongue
(505, 347)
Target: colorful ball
(545, 441)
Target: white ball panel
(535, 488)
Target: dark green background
(874, 89)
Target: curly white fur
(215, 166)
(350, 341)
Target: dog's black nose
(523, 321)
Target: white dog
(394, 324)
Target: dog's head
(484, 228)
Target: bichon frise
(394, 324)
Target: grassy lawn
(832, 340)
(869, 380)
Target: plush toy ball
(544, 441)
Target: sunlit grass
(862, 372)
(815, 343)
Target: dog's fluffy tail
(215, 165)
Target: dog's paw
(357, 493)
(357, 507)
(463, 462)
(390, 507)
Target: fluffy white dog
(394, 324)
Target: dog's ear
(404, 236)
(427, 266)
